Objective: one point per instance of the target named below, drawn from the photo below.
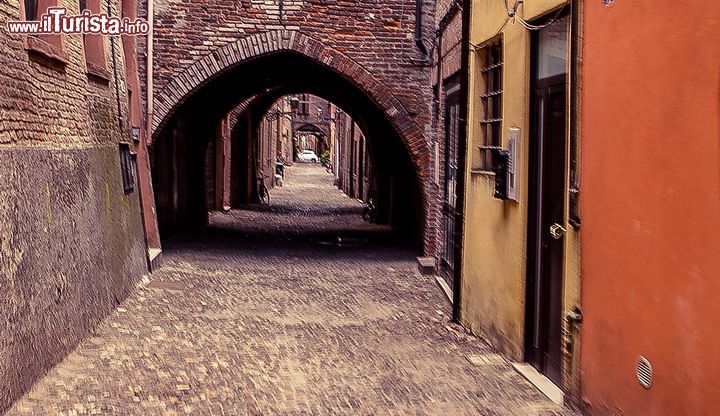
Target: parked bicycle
(370, 212)
(262, 191)
(280, 166)
(328, 166)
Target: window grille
(491, 61)
(452, 133)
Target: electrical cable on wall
(512, 15)
(530, 26)
(512, 12)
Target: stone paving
(264, 313)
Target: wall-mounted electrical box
(136, 135)
(513, 163)
(500, 167)
(506, 167)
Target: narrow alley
(267, 311)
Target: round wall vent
(643, 369)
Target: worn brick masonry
(370, 43)
(71, 241)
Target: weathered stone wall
(71, 240)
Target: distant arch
(311, 128)
(225, 58)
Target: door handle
(557, 231)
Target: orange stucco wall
(650, 121)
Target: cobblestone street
(264, 312)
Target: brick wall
(71, 240)
(376, 34)
(369, 44)
(355, 172)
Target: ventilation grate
(643, 369)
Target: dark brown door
(546, 224)
(452, 129)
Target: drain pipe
(149, 68)
(121, 125)
(419, 41)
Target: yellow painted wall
(493, 278)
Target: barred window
(490, 60)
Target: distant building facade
(354, 168)
(312, 118)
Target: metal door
(452, 130)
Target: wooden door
(546, 221)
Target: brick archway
(229, 56)
(313, 129)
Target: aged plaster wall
(71, 241)
(495, 237)
(651, 207)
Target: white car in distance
(307, 156)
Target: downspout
(438, 76)
(419, 41)
(121, 125)
(149, 68)
(462, 157)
